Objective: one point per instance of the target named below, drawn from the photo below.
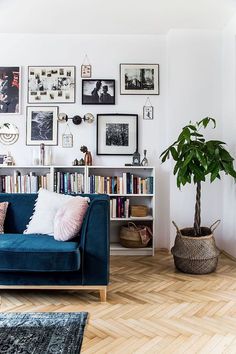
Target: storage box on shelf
(127, 186)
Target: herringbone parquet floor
(151, 308)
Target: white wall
(228, 237)
(105, 54)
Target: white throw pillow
(45, 209)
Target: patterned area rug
(42, 333)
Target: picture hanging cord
(67, 127)
(148, 102)
(86, 60)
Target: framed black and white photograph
(117, 134)
(51, 84)
(139, 79)
(147, 112)
(98, 91)
(41, 125)
(10, 89)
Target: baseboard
(226, 254)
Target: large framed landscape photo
(117, 134)
(51, 84)
(10, 89)
(98, 91)
(41, 125)
(139, 79)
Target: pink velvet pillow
(69, 218)
(3, 211)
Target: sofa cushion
(37, 253)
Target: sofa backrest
(21, 207)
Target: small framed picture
(51, 84)
(98, 91)
(41, 125)
(148, 112)
(2, 158)
(117, 134)
(139, 79)
(86, 71)
(10, 89)
(67, 140)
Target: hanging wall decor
(67, 138)
(51, 84)
(9, 133)
(86, 68)
(10, 89)
(148, 110)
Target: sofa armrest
(95, 242)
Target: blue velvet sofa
(39, 261)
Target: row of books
(18, 183)
(68, 183)
(119, 207)
(126, 184)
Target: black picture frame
(130, 134)
(10, 102)
(98, 98)
(151, 86)
(41, 97)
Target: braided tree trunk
(197, 217)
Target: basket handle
(130, 223)
(214, 225)
(178, 230)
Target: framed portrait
(147, 112)
(10, 89)
(86, 71)
(117, 134)
(41, 125)
(98, 91)
(139, 79)
(51, 84)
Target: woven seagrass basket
(195, 255)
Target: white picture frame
(86, 71)
(148, 112)
(67, 140)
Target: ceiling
(112, 17)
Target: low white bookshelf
(57, 173)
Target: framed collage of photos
(117, 134)
(41, 125)
(10, 90)
(51, 84)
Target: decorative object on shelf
(41, 125)
(10, 89)
(81, 162)
(42, 155)
(99, 91)
(195, 159)
(133, 236)
(2, 158)
(87, 156)
(77, 120)
(148, 110)
(139, 79)
(67, 138)
(8, 160)
(9, 133)
(48, 156)
(144, 161)
(117, 134)
(35, 156)
(75, 162)
(136, 158)
(138, 210)
(86, 68)
(51, 84)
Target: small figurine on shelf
(81, 162)
(42, 154)
(8, 160)
(75, 162)
(136, 158)
(144, 161)
(87, 155)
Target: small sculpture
(87, 155)
(8, 160)
(136, 158)
(144, 161)
(42, 154)
(75, 162)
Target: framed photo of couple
(98, 91)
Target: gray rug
(42, 333)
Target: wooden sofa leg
(103, 294)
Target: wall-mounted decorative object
(144, 161)
(139, 79)
(148, 110)
(86, 68)
(98, 91)
(10, 89)
(67, 138)
(41, 125)
(51, 84)
(136, 158)
(9, 133)
(117, 134)
(88, 118)
(87, 156)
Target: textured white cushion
(45, 209)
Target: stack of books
(68, 183)
(29, 183)
(119, 207)
(125, 184)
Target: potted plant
(195, 159)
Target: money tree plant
(196, 158)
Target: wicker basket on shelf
(133, 236)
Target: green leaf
(174, 153)
(188, 159)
